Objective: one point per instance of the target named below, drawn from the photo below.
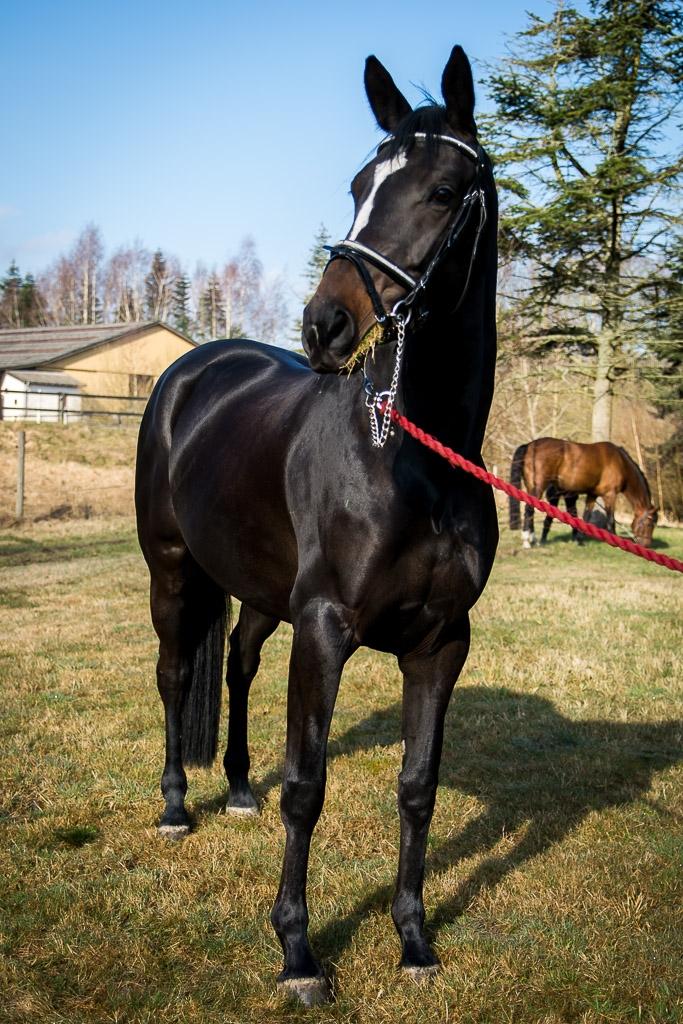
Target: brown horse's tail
(516, 479)
(201, 711)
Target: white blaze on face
(381, 173)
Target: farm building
(47, 396)
(58, 373)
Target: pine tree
(31, 304)
(10, 292)
(666, 341)
(664, 372)
(317, 261)
(181, 316)
(582, 108)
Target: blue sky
(190, 126)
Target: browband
(450, 139)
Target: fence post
(21, 460)
(660, 491)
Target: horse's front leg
(571, 500)
(553, 497)
(428, 681)
(320, 647)
(610, 500)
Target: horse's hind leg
(188, 612)
(528, 535)
(246, 641)
(428, 682)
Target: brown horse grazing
(567, 469)
(281, 481)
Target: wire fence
(55, 406)
(80, 463)
(62, 464)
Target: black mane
(639, 473)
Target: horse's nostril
(309, 337)
(340, 327)
(329, 328)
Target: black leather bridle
(360, 255)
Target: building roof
(31, 347)
(45, 378)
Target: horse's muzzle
(328, 336)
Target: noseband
(360, 255)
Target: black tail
(202, 708)
(516, 479)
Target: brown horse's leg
(246, 641)
(528, 535)
(321, 645)
(529, 477)
(588, 508)
(553, 496)
(428, 682)
(610, 500)
(570, 501)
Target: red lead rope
(542, 506)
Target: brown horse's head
(643, 525)
(406, 200)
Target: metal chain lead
(376, 399)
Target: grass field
(554, 876)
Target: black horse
(281, 482)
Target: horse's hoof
(241, 802)
(307, 991)
(243, 812)
(420, 975)
(174, 832)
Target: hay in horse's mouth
(372, 337)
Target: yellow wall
(106, 370)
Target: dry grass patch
(73, 470)
(554, 863)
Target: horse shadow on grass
(537, 775)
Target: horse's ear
(388, 103)
(457, 88)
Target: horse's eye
(442, 195)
